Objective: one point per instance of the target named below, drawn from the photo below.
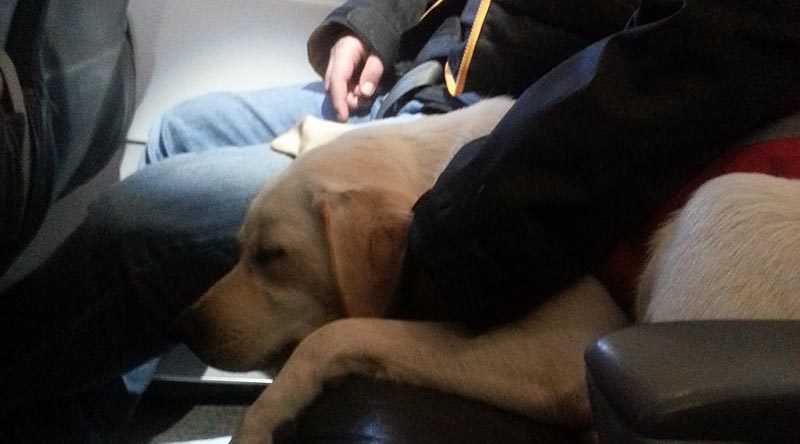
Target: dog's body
(321, 249)
(732, 252)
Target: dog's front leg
(533, 366)
(329, 353)
(355, 346)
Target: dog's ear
(308, 133)
(366, 232)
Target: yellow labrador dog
(321, 248)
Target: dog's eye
(264, 256)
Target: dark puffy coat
(491, 47)
(590, 149)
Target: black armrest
(721, 381)
(370, 411)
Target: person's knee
(125, 214)
(182, 128)
(202, 195)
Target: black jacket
(514, 43)
(590, 148)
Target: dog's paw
(246, 439)
(253, 430)
(251, 440)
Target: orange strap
(431, 8)
(455, 85)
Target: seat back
(74, 63)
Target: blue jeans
(149, 246)
(241, 120)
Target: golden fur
(321, 249)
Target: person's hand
(352, 76)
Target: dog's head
(311, 251)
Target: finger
(353, 100)
(363, 102)
(335, 54)
(370, 76)
(334, 58)
(358, 100)
(338, 92)
(346, 56)
(327, 78)
(341, 72)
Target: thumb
(370, 75)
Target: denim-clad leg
(227, 119)
(149, 246)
